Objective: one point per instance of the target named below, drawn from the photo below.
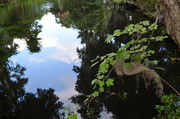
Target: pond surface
(56, 41)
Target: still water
(52, 66)
(56, 41)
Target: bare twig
(170, 86)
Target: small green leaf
(95, 94)
(101, 83)
(112, 62)
(143, 29)
(124, 32)
(151, 51)
(111, 54)
(66, 108)
(138, 46)
(135, 30)
(138, 27)
(93, 81)
(132, 41)
(160, 38)
(143, 55)
(137, 51)
(93, 64)
(100, 77)
(103, 67)
(87, 98)
(101, 89)
(94, 86)
(119, 55)
(127, 56)
(74, 116)
(117, 33)
(160, 68)
(102, 57)
(143, 40)
(154, 62)
(77, 107)
(130, 33)
(109, 38)
(152, 38)
(95, 59)
(130, 27)
(124, 95)
(145, 23)
(69, 112)
(153, 27)
(127, 45)
(109, 82)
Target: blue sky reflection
(52, 67)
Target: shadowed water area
(46, 48)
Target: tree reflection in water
(140, 102)
(94, 23)
(15, 103)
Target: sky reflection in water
(52, 66)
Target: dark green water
(56, 41)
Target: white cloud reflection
(63, 40)
(47, 41)
(57, 43)
(37, 60)
(66, 52)
(69, 90)
(21, 43)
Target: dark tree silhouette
(15, 103)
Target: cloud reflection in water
(52, 66)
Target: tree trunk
(172, 18)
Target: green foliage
(74, 116)
(159, 68)
(109, 82)
(133, 51)
(118, 1)
(96, 93)
(170, 108)
(70, 111)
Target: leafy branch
(130, 59)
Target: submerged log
(172, 18)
